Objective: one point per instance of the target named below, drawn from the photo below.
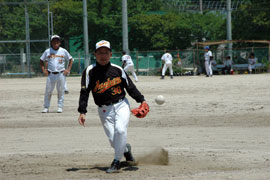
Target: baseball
(160, 99)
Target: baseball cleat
(45, 110)
(66, 92)
(115, 167)
(59, 110)
(128, 154)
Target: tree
(151, 27)
(174, 30)
(12, 25)
(252, 21)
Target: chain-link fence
(145, 62)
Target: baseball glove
(141, 111)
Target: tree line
(151, 25)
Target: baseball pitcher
(108, 83)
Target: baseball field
(208, 129)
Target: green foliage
(211, 26)
(151, 26)
(12, 24)
(174, 31)
(252, 21)
(142, 6)
(67, 18)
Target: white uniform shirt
(167, 57)
(56, 59)
(228, 62)
(252, 61)
(207, 56)
(127, 59)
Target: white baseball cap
(103, 43)
(55, 37)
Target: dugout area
(238, 55)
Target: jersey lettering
(116, 90)
(55, 56)
(102, 87)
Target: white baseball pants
(250, 67)
(130, 68)
(208, 68)
(115, 119)
(59, 81)
(165, 66)
(65, 86)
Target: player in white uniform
(128, 65)
(65, 86)
(167, 58)
(55, 56)
(251, 62)
(208, 66)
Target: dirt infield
(209, 128)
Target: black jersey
(108, 84)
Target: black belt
(55, 72)
(111, 103)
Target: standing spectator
(128, 65)
(227, 65)
(55, 56)
(167, 58)
(251, 62)
(207, 64)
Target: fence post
(268, 70)
(79, 63)
(23, 59)
(148, 64)
(137, 63)
(197, 58)
(27, 42)
(194, 63)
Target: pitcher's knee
(120, 131)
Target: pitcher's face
(103, 55)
